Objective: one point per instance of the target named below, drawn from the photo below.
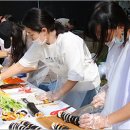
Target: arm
(72, 51)
(120, 115)
(15, 69)
(63, 90)
(96, 121)
(26, 64)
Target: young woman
(110, 25)
(64, 53)
(14, 44)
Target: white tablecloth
(45, 108)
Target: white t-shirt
(65, 57)
(69, 58)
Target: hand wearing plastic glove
(94, 121)
(99, 99)
(48, 95)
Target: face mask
(116, 41)
(119, 41)
(38, 41)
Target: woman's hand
(94, 121)
(48, 95)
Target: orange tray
(13, 80)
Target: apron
(37, 77)
(77, 94)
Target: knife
(87, 109)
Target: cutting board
(48, 120)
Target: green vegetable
(8, 104)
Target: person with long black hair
(64, 53)
(14, 44)
(109, 25)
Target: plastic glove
(48, 95)
(94, 121)
(44, 95)
(99, 99)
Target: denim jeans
(89, 97)
(48, 86)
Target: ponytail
(18, 47)
(59, 28)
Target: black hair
(13, 30)
(5, 32)
(108, 15)
(7, 17)
(36, 19)
(18, 46)
(73, 22)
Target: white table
(45, 108)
